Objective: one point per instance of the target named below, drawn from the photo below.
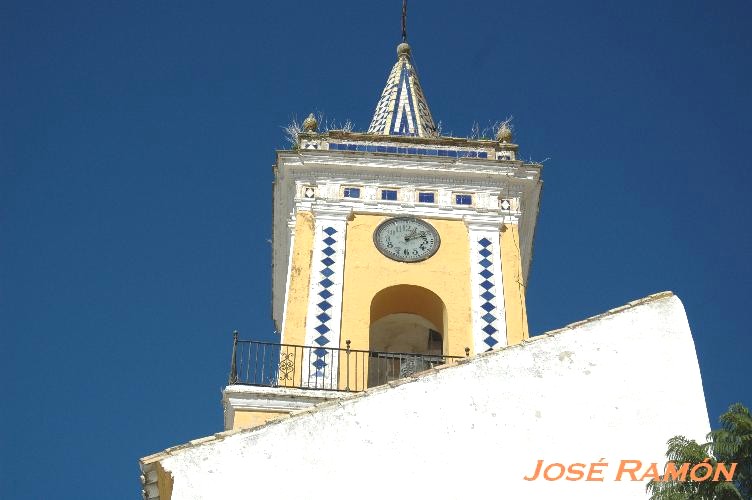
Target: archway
(406, 332)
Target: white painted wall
(614, 387)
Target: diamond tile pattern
(487, 287)
(319, 356)
(402, 108)
(326, 282)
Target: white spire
(402, 108)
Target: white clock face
(406, 239)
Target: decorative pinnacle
(403, 49)
(504, 134)
(310, 124)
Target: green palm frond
(732, 443)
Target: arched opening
(406, 332)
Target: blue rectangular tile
(388, 194)
(463, 199)
(351, 192)
(426, 197)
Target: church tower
(394, 250)
(398, 252)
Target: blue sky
(136, 147)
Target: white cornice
(448, 166)
(396, 208)
(483, 222)
(271, 399)
(329, 211)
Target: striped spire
(402, 108)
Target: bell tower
(394, 250)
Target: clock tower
(394, 250)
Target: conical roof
(402, 108)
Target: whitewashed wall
(614, 387)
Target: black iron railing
(313, 367)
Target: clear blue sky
(135, 189)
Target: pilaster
(486, 283)
(324, 317)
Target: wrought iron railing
(325, 368)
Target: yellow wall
(514, 287)
(300, 275)
(367, 272)
(248, 419)
(447, 274)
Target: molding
(375, 173)
(149, 481)
(360, 159)
(484, 222)
(331, 212)
(391, 208)
(291, 223)
(271, 399)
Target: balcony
(269, 364)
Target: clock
(406, 239)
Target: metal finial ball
(504, 134)
(310, 124)
(403, 49)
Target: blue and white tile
(324, 316)
(487, 286)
